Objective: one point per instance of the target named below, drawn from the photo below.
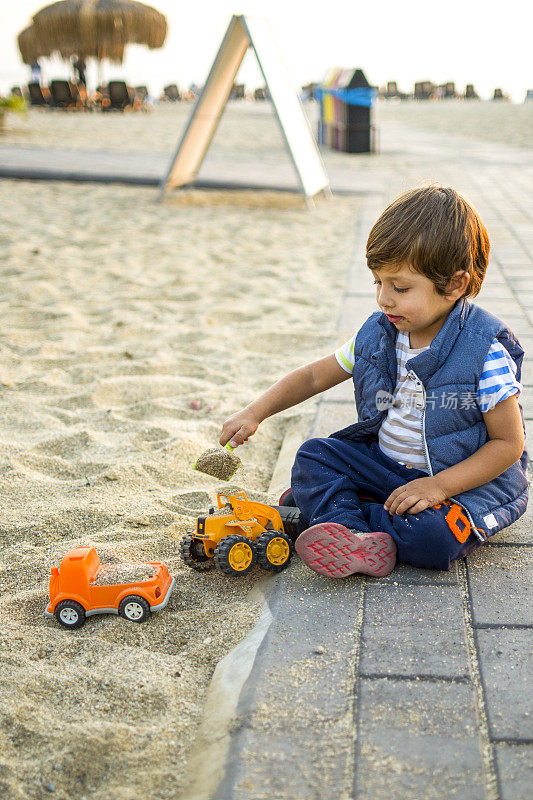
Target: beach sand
(158, 130)
(130, 331)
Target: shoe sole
(335, 551)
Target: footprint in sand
(124, 391)
(191, 503)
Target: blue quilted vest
(447, 374)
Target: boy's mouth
(393, 318)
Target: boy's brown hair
(435, 231)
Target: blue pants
(329, 475)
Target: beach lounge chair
(39, 95)
(172, 93)
(424, 90)
(141, 92)
(237, 91)
(121, 96)
(64, 94)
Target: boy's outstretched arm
(293, 388)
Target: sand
(218, 462)
(158, 131)
(130, 332)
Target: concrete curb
(74, 176)
(213, 741)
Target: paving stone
(417, 741)
(499, 580)
(415, 630)
(495, 279)
(526, 401)
(489, 293)
(506, 668)
(529, 438)
(520, 532)
(526, 377)
(515, 771)
(522, 283)
(294, 726)
(502, 308)
(517, 269)
(526, 341)
(406, 574)
(520, 324)
(67, 164)
(529, 315)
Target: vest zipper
(419, 383)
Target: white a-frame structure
(242, 33)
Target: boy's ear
(458, 283)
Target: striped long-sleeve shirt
(400, 434)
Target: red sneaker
(336, 551)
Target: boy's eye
(396, 289)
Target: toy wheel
(134, 608)
(235, 555)
(274, 550)
(70, 614)
(192, 552)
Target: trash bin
(359, 98)
(346, 100)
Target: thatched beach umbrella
(30, 47)
(92, 29)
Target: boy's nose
(386, 303)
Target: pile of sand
(130, 332)
(124, 572)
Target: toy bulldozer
(239, 533)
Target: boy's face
(412, 303)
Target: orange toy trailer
(74, 595)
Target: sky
(466, 41)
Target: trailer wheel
(134, 608)
(70, 614)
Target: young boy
(437, 461)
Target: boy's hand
(415, 496)
(237, 428)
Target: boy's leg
(431, 539)
(327, 478)
(328, 475)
